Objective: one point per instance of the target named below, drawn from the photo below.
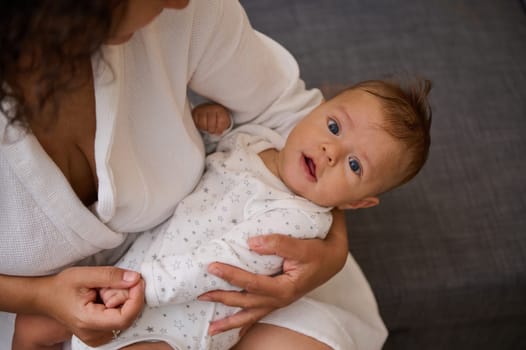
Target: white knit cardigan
(148, 153)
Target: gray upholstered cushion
(447, 251)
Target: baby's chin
(322, 202)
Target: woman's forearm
(19, 294)
(338, 240)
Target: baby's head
(369, 139)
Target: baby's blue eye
(333, 126)
(355, 166)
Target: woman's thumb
(108, 277)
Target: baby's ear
(366, 202)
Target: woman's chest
(68, 137)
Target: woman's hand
(71, 297)
(307, 265)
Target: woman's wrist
(20, 294)
(44, 294)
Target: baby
(365, 141)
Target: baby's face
(339, 154)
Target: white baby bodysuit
(237, 198)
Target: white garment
(145, 134)
(237, 198)
(146, 141)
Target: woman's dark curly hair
(52, 39)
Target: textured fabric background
(446, 254)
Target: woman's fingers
(104, 276)
(249, 282)
(241, 299)
(281, 245)
(135, 302)
(97, 316)
(104, 318)
(72, 299)
(243, 319)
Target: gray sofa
(446, 254)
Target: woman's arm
(71, 298)
(250, 74)
(307, 265)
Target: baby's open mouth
(310, 166)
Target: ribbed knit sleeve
(255, 77)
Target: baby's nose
(331, 151)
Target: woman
(95, 120)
